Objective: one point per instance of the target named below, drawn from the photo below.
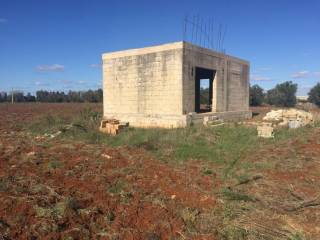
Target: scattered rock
(292, 118)
(31, 153)
(212, 121)
(106, 156)
(40, 137)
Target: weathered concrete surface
(230, 85)
(155, 86)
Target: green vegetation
(233, 233)
(58, 210)
(53, 164)
(314, 95)
(207, 171)
(297, 236)
(244, 178)
(204, 95)
(219, 144)
(189, 217)
(54, 96)
(300, 134)
(4, 186)
(227, 145)
(283, 95)
(256, 95)
(117, 187)
(236, 196)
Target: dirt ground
(54, 189)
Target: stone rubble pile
(292, 118)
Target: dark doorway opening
(203, 92)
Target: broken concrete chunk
(265, 130)
(293, 123)
(212, 121)
(112, 126)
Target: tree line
(53, 96)
(282, 95)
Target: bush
(256, 95)
(314, 95)
(283, 95)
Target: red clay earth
(53, 189)
(63, 189)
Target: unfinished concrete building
(174, 85)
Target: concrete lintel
(211, 52)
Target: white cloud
(259, 78)
(305, 74)
(95, 65)
(3, 20)
(71, 82)
(50, 68)
(301, 74)
(41, 84)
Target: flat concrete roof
(165, 47)
(144, 50)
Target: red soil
(147, 204)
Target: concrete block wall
(145, 81)
(193, 57)
(230, 85)
(238, 87)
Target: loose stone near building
(162, 86)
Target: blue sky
(57, 44)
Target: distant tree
(59, 97)
(314, 95)
(99, 94)
(204, 95)
(29, 98)
(92, 96)
(74, 96)
(256, 95)
(42, 96)
(283, 95)
(3, 96)
(54, 96)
